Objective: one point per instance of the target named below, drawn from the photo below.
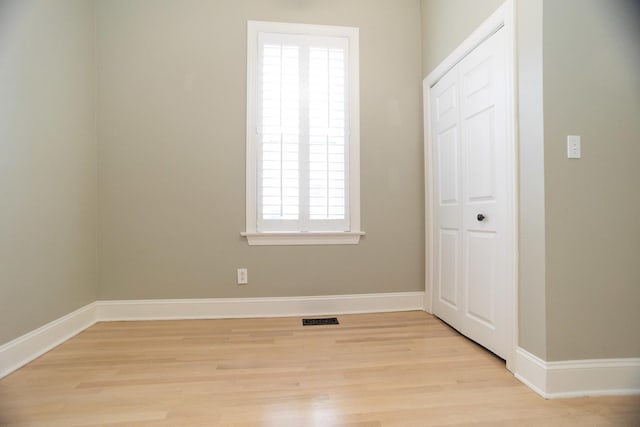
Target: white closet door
(469, 130)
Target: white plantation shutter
(280, 133)
(302, 133)
(327, 134)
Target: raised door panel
(448, 267)
(480, 277)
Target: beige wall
(592, 89)
(48, 175)
(532, 314)
(446, 23)
(171, 109)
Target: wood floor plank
(373, 370)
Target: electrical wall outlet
(243, 276)
(573, 147)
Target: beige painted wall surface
(532, 325)
(48, 176)
(446, 23)
(592, 89)
(171, 109)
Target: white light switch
(243, 276)
(573, 147)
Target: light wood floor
(393, 369)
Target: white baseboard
(22, 350)
(532, 371)
(577, 378)
(258, 307)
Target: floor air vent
(325, 321)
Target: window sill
(306, 238)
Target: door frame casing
(503, 18)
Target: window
(302, 134)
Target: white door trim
(504, 17)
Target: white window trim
(302, 238)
